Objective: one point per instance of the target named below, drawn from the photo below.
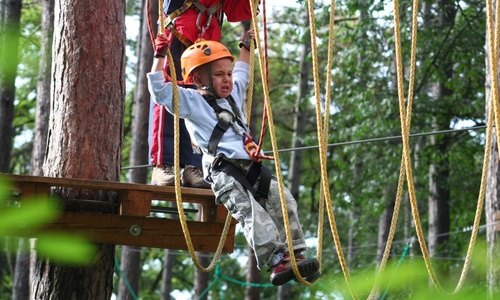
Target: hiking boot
(311, 278)
(282, 273)
(193, 177)
(163, 175)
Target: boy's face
(222, 77)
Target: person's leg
(258, 228)
(281, 273)
(273, 206)
(163, 142)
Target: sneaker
(282, 273)
(193, 177)
(163, 175)
(311, 278)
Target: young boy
(213, 116)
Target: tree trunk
(253, 276)
(384, 223)
(10, 16)
(201, 278)
(22, 272)
(299, 126)
(299, 130)
(131, 256)
(9, 45)
(131, 268)
(43, 89)
(168, 266)
(492, 205)
(439, 170)
(20, 291)
(85, 130)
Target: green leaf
(66, 249)
(30, 215)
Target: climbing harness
(202, 9)
(230, 119)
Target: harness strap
(220, 128)
(256, 170)
(170, 19)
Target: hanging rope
(272, 134)
(402, 170)
(178, 192)
(493, 34)
(407, 160)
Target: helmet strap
(210, 88)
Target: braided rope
(272, 134)
(402, 172)
(178, 192)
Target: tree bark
(43, 89)
(22, 273)
(20, 290)
(439, 170)
(9, 48)
(85, 130)
(168, 266)
(130, 260)
(492, 199)
(201, 278)
(131, 268)
(253, 276)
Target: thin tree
(9, 46)
(10, 16)
(131, 256)
(492, 206)
(21, 289)
(85, 130)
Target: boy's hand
(247, 39)
(161, 45)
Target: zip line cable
(355, 142)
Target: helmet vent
(206, 50)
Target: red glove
(161, 45)
(248, 37)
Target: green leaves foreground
(30, 217)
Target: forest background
(365, 149)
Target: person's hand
(161, 45)
(248, 38)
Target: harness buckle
(251, 147)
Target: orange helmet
(201, 53)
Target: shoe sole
(306, 268)
(311, 278)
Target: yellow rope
(322, 130)
(407, 161)
(402, 172)
(252, 82)
(178, 192)
(272, 134)
(324, 142)
(493, 112)
(406, 148)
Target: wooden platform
(133, 224)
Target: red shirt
(234, 10)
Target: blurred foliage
(29, 216)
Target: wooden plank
(158, 192)
(135, 203)
(135, 206)
(139, 231)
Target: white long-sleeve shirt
(200, 117)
